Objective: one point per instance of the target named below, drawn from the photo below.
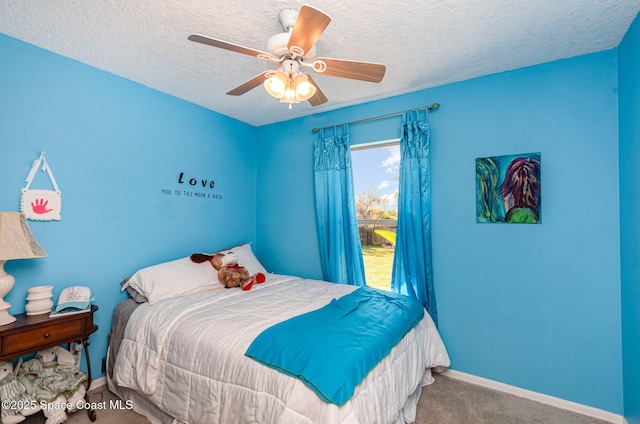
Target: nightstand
(32, 333)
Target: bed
(184, 356)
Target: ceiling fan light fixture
(303, 88)
(289, 100)
(289, 94)
(276, 85)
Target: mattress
(183, 360)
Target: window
(375, 181)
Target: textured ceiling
(423, 43)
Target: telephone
(73, 299)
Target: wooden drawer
(32, 333)
(38, 336)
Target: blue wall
(629, 64)
(535, 306)
(113, 146)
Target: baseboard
(538, 397)
(97, 383)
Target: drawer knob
(46, 335)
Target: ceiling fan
(294, 50)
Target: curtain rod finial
(434, 107)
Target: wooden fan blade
(227, 46)
(318, 98)
(363, 71)
(309, 26)
(249, 85)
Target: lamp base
(6, 284)
(5, 317)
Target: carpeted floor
(114, 412)
(447, 401)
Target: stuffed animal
(55, 380)
(75, 349)
(21, 404)
(229, 272)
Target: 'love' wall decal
(193, 187)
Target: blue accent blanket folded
(333, 348)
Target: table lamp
(16, 242)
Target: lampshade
(289, 94)
(304, 89)
(16, 242)
(276, 84)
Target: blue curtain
(340, 249)
(412, 273)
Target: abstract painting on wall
(508, 188)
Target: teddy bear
(53, 377)
(230, 273)
(13, 390)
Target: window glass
(375, 180)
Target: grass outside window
(378, 262)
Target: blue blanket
(333, 348)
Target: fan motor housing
(278, 46)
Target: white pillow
(172, 279)
(247, 259)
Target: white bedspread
(186, 355)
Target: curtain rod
(430, 108)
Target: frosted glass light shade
(276, 85)
(304, 89)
